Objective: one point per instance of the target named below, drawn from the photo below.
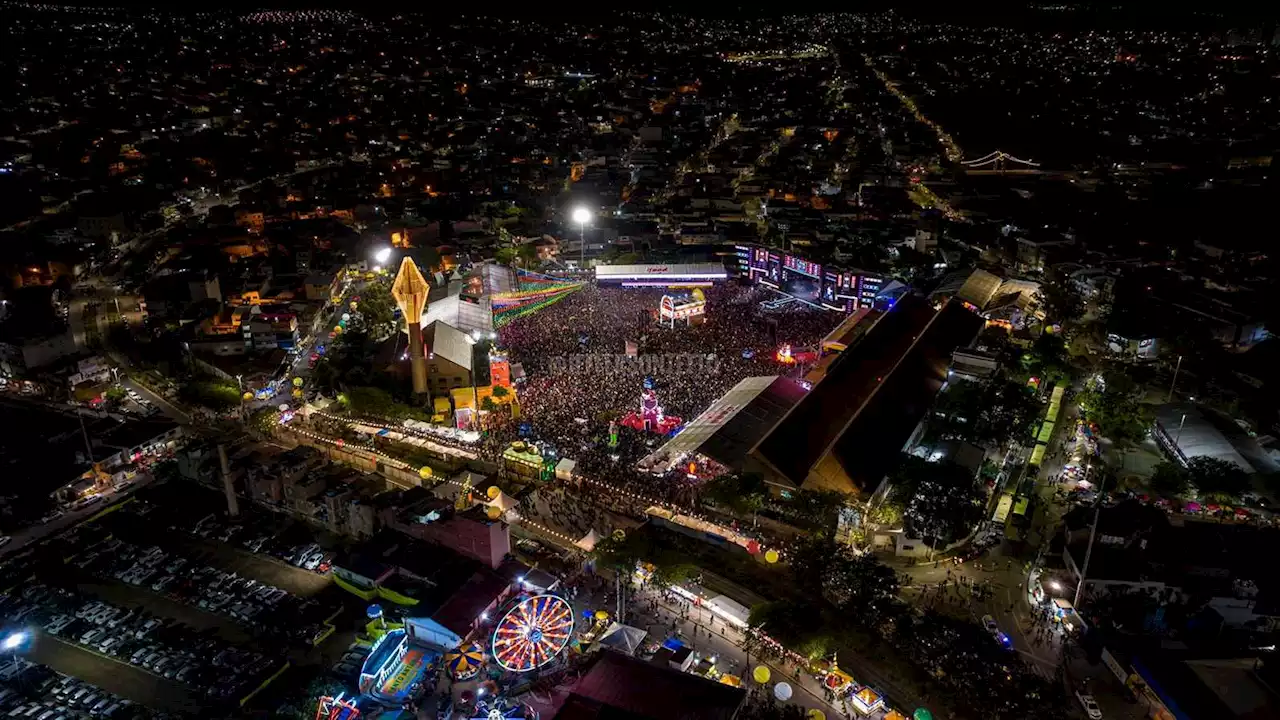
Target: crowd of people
(570, 404)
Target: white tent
(623, 638)
(503, 502)
(565, 469)
(588, 542)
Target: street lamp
(381, 256)
(14, 641)
(582, 216)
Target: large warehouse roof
(726, 431)
(847, 432)
(1198, 431)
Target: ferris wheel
(533, 633)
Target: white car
(1090, 707)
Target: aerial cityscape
(747, 364)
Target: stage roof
(694, 271)
(726, 431)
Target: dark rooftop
(801, 438)
(618, 687)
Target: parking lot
(94, 639)
(145, 690)
(186, 587)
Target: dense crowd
(570, 404)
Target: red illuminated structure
(650, 418)
(790, 356)
(336, 708)
(499, 369)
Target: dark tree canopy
(990, 413)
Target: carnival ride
(464, 663)
(337, 708)
(533, 633)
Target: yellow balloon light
(354, 305)
(297, 382)
(761, 674)
(247, 396)
(337, 329)
(816, 714)
(297, 392)
(771, 556)
(424, 472)
(602, 615)
(493, 492)
(493, 513)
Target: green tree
(1061, 302)
(265, 421)
(377, 310)
(940, 501)
(500, 391)
(213, 395)
(762, 705)
(739, 494)
(816, 509)
(1047, 358)
(1117, 410)
(115, 394)
(989, 413)
(376, 402)
(1170, 480)
(1216, 479)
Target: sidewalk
(711, 636)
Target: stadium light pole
(582, 216)
(13, 642)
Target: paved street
(39, 531)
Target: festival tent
(503, 502)
(623, 638)
(565, 469)
(730, 609)
(588, 542)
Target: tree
(378, 310)
(1116, 409)
(816, 509)
(738, 494)
(265, 421)
(1061, 302)
(1170, 480)
(1216, 479)
(989, 413)
(940, 501)
(761, 705)
(500, 391)
(1047, 358)
(376, 402)
(213, 395)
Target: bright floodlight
(581, 215)
(382, 255)
(13, 640)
